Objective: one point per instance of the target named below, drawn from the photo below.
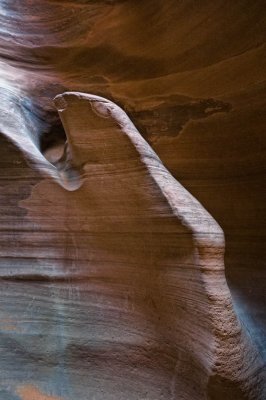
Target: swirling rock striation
(112, 281)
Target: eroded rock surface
(112, 275)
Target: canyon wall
(114, 281)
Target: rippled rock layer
(113, 280)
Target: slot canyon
(132, 200)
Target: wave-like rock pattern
(76, 318)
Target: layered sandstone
(112, 274)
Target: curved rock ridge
(128, 297)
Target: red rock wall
(191, 76)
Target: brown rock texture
(114, 282)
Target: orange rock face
(29, 392)
(116, 283)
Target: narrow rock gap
(52, 142)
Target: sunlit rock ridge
(132, 256)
